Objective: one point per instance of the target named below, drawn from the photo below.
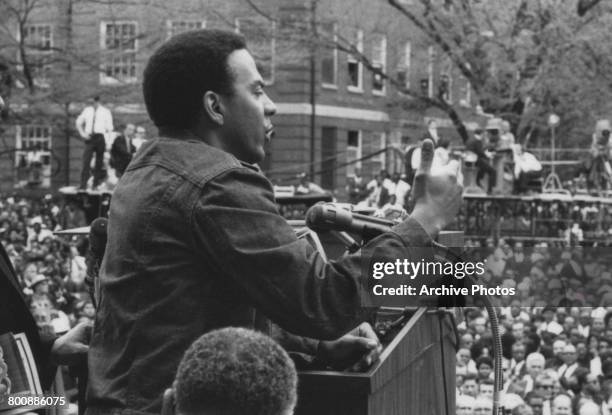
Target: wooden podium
(414, 376)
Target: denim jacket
(195, 243)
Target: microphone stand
(353, 246)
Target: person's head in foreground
(205, 84)
(234, 371)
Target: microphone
(95, 253)
(329, 217)
(97, 237)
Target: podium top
(73, 191)
(84, 230)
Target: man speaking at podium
(196, 242)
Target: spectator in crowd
(356, 187)
(400, 189)
(526, 168)
(599, 172)
(470, 385)
(477, 146)
(535, 402)
(556, 360)
(584, 324)
(506, 138)
(516, 364)
(484, 366)
(122, 150)
(442, 154)
(306, 187)
(574, 235)
(550, 324)
(380, 190)
(534, 365)
(465, 405)
(233, 371)
(140, 137)
(589, 408)
(510, 401)
(486, 388)
(561, 405)
(569, 365)
(483, 406)
(92, 124)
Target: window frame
(334, 84)
(382, 62)
(107, 53)
(170, 22)
(39, 66)
(20, 150)
(350, 59)
(404, 64)
(431, 58)
(447, 71)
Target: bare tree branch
(460, 63)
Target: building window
(174, 27)
(446, 81)
(119, 44)
(38, 42)
(353, 151)
(379, 61)
(354, 66)
(379, 142)
(431, 59)
(33, 156)
(38, 37)
(329, 56)
(403, 67)
(261, 38)
(465, 99)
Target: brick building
(75, 50)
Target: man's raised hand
(437, 192)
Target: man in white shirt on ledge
(95, 121)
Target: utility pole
(67, 119)
(313, 85)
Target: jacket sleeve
(237, 225)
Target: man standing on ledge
(95, 121)
(196, 242)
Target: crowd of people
(194, 218)
(557, 332)
(488, 150)
(51, 269)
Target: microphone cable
(494, 320)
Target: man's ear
(168, 402)
(213, 107)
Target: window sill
(108, 81)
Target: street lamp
(552, 184)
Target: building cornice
(304, 108)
